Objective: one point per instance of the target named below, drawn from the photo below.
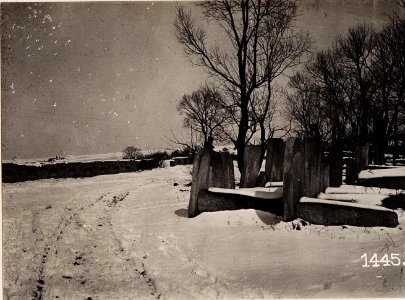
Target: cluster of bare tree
(353, 92)
(262, 42)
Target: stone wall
(15, 173)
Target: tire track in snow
(138, 266)
(107, 204)
(55, 237)
(67, 218)
(45, 242)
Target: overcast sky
(81, 78)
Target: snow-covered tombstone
(293, 176)
(210, 169)
(251, 166)
(275, 159)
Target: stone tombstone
(312, 167)
(324, 176)
(251, 166)
(362, 156)
(292, 177)
(275, 159)
(210, 169)
(222, 171)
(351, 172)
(336, 167)
(261, 179)
(200, 177)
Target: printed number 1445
(373, 261)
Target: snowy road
(126, 236)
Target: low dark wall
(16, 173)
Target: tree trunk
(395, 136)
(243, 128)
(262, 140)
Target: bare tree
(388, 68)
(354, 54)
(302, 105)
(383, 71)
(264, 109)
(401, 3)
(262, 44)
(187, 143)
(354, 91)
(398, 45)
(203, 112)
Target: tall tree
(303, 104)
(356, 88)
(262, 44)
(203, 112)
(388, 69)
(354, 54)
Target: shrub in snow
(131, 152)
(159, 155)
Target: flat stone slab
(274, 184)
(358, 189)
(330, 212)
(380, 171)
(367, 199)
(218, 199)
(385, 177)
(377, 167)
(256, 192)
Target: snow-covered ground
(126, 236)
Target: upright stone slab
(312, 167)
(261, 179)
(362, 156)
(351, 172)
(324, 177)
(336, 164)
(210, 169)
(200, 179)
(251, 166)
(222, 170)
(275, 160)
(292, 177)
